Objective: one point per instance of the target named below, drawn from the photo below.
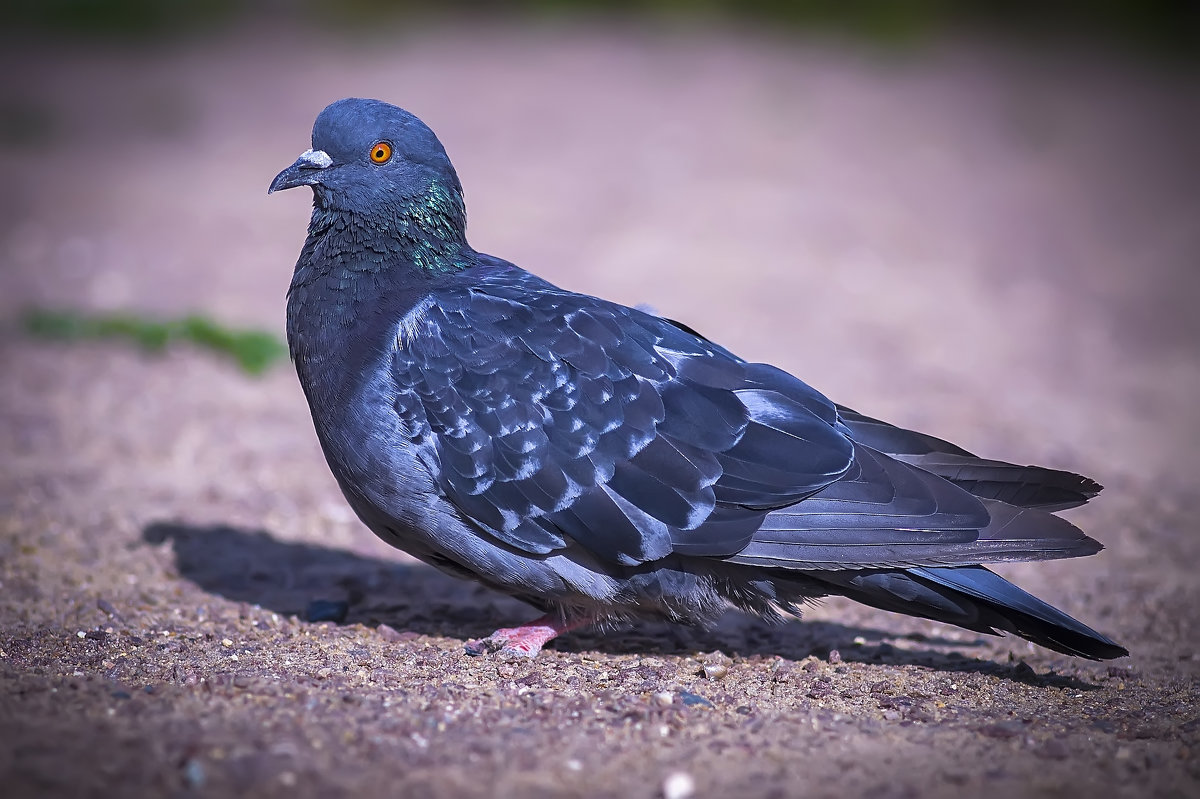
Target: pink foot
(526, 640)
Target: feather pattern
(1026, 486)
(554, 416)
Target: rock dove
(603, 463)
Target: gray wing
(555, 416)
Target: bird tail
(1023, 486)
(975, 598)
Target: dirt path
(998, 247)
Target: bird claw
(524, 641)
(481, 646)
(498, 645)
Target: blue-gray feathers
(601, 461)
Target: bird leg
(526, 640)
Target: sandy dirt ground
(1001, 247)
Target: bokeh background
(980, 219)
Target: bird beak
(305, 172)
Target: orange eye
(381, 151)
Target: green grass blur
(254, 351)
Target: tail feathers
(1024, 486)
(974, 598)
(889, 514)
(1019, 534)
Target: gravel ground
(997, 246)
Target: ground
(993, 244)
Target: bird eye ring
(381, 152)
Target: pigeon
(605, 464)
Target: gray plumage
(600, 462)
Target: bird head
(372, 158)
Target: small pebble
(193, 773)
(835, 656)
(388, 633)
(716, 671)
(226, 642)
(678, 785)
(664, 698)
(690, 698)
(327, 610)
(1023, 671)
